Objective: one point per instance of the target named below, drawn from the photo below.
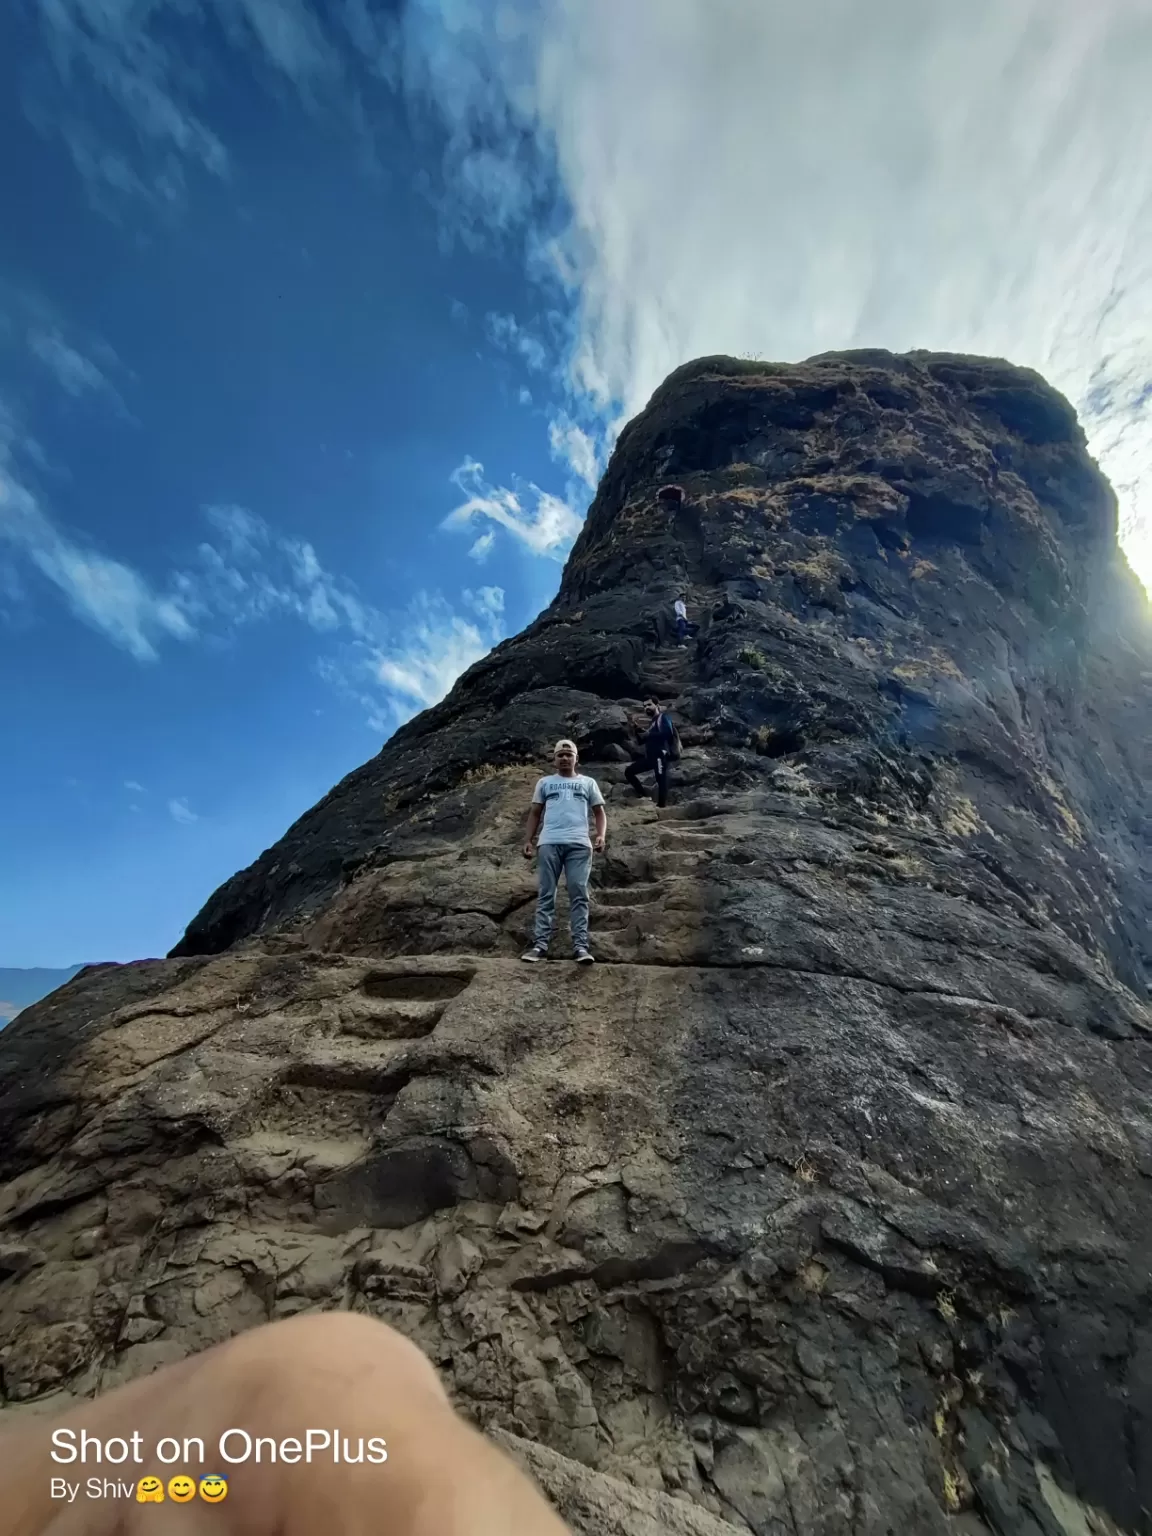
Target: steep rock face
(825, 1204)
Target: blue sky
(317, 323)
(237, 416)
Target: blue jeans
(575, 859)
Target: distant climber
(684, 629)
(562, 801)
(661, 746)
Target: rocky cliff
(824, 1203)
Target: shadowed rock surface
(824, 1204)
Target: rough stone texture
(605, 1506)
(824, 1206)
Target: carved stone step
(626, 895)
(373, 1020)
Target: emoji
(181, 1488)
(213, 1488)
(149, 1490)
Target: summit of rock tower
(822, 1203)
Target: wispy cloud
(438, 645)
(783, 180)
(76, 374)
(487, 602)
(103, 592)
(428, 647)
(506, 332)
(119, 52)
(179, 811)
(153, 63)
(79, 365)
(540, 521)
(253, 572)
(136, 789)
(243, 532)
(578, 449)
(393, 664)
(291, 37)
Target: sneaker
(534, 954)
(585, 957)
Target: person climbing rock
(562, 801)
(684, 630)
(660, 748)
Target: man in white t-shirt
(683, 627)
(562, 801)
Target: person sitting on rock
(683, 628)
(659, 745)
(562, 801)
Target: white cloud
(109, 45)
(426, 649)
(245, 533)
(547, 526)
(782, 180)
(393, 665)
(255, 573)
(106, 174)
(506, 332)
(80, 367)
(434, 646)
(112, 597)
(179, 811)
(105, 593)
(137, 789)
(487, 602)
(576, 448)
(288, 35)
(139, 57)
(75, 373)
(482, 547)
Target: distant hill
(20, 987)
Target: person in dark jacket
(657, 753)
